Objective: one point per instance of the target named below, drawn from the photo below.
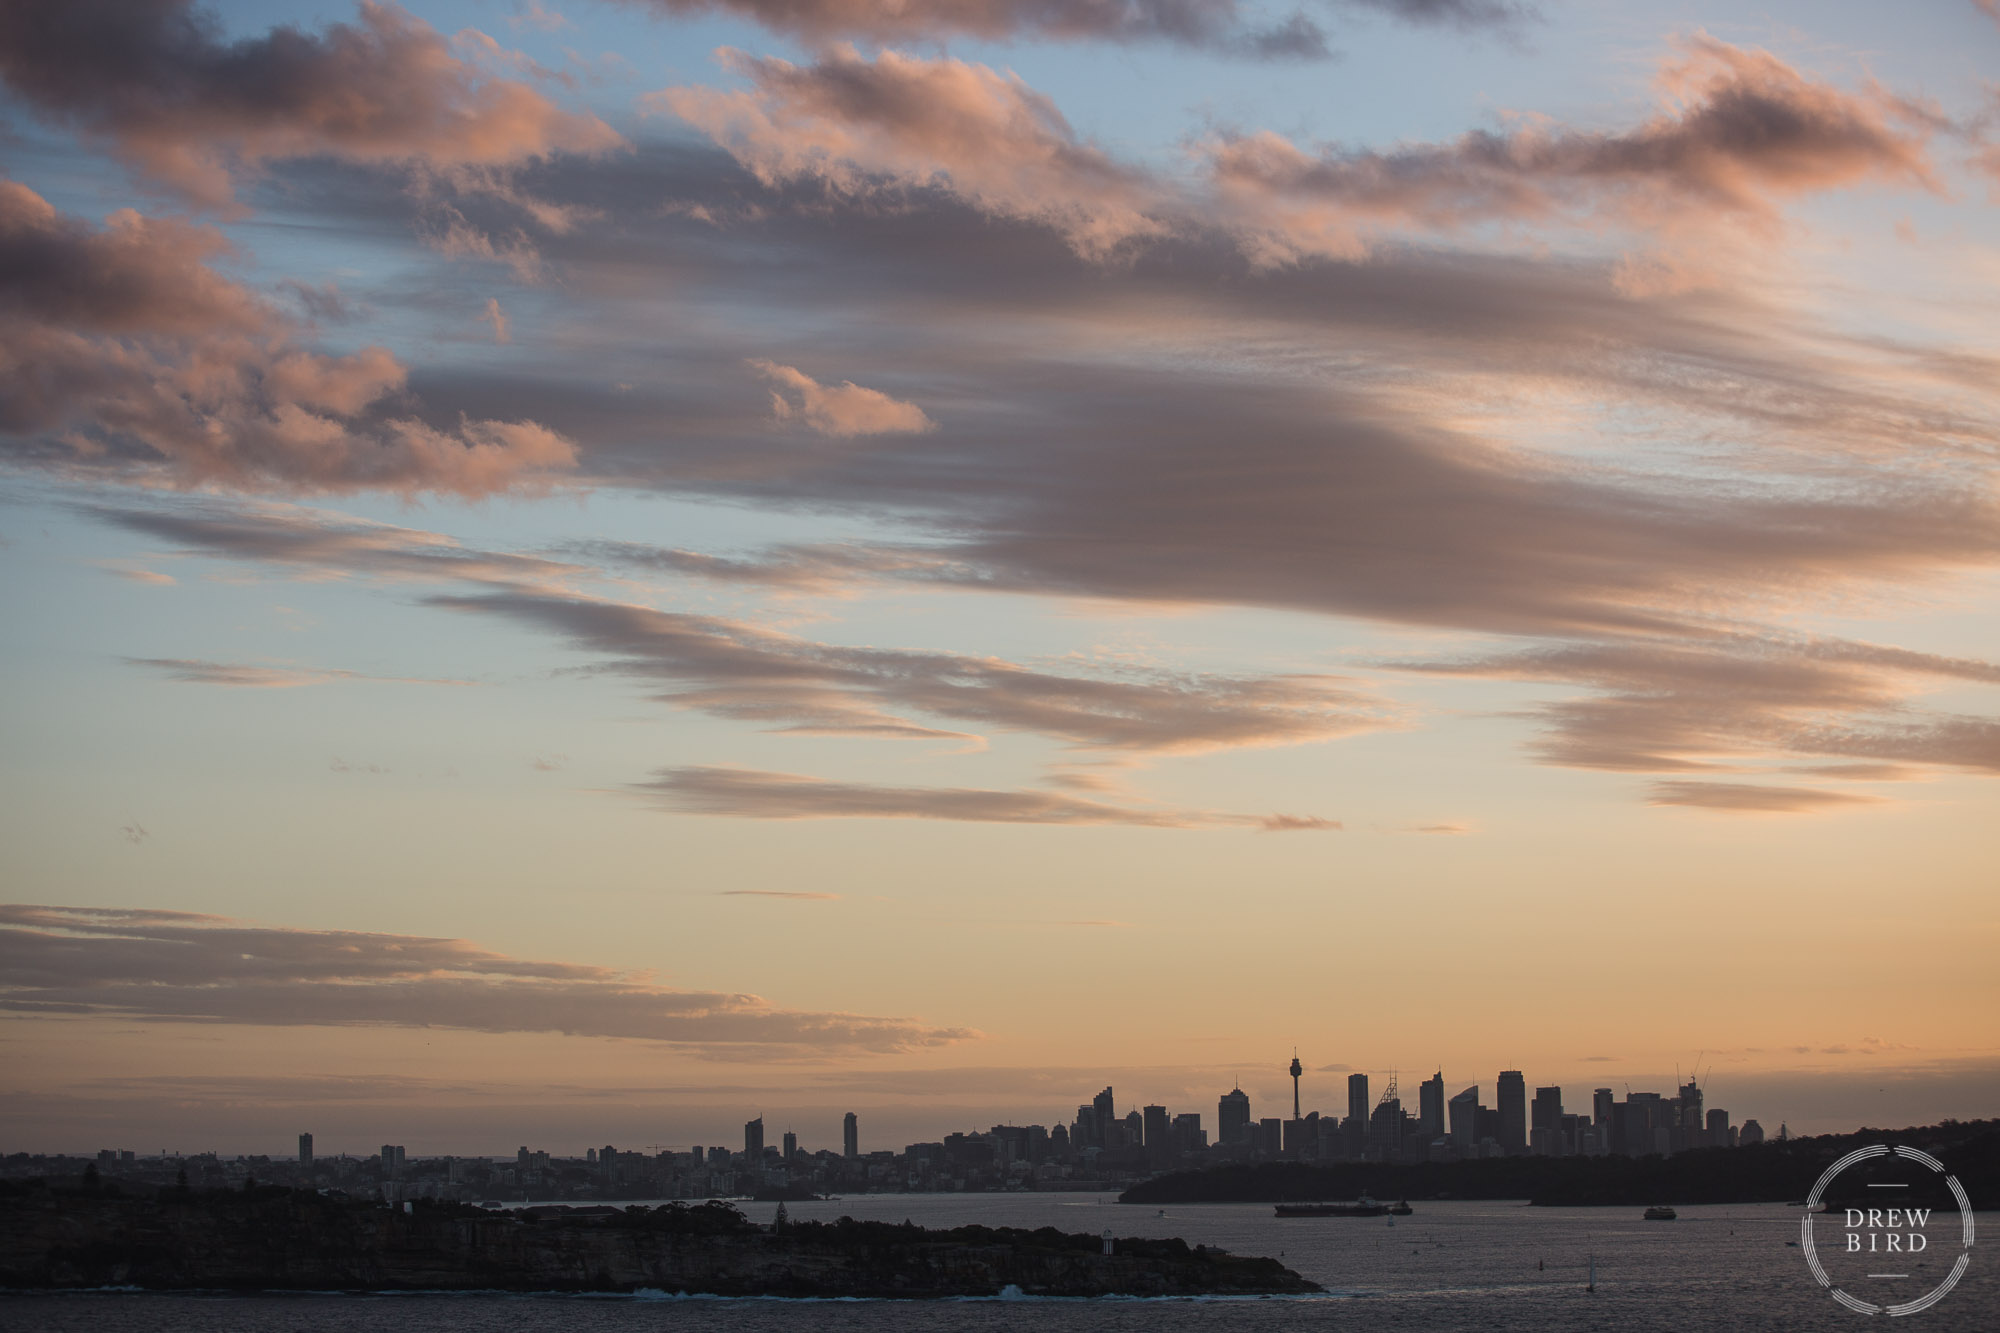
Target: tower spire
(1297, 1069)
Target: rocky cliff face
(282, 1240)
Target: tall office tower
(1232, 1117)
(1159, 1136)
(850, 1136)
(1687, 1122)
(1601, 1102)
(1357, 1098)
(1718, 1129)
(1083, 1130)
(753, 1140)
(1749, 1134)
(1512, 1095)
(1135, 1130)
(1385, 1130)
(1430, 1107)
(305, 1150)
(1646, 1126)
(1103, 1119)
(1464, 1110)
(1545, 1136)
(791, 1145)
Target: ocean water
(1454, 1265)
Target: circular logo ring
(1929, 1298)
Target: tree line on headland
(1770, 1172)
(92, 1234)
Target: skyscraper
(753, 1140)
(1232, 1117)
(1159, 1136)
(305, 1150)
(1385, 1128)
(1465, 1121)
(850, 1136)
(1105, 1117)
(1688, 1126)
(1545, 1136)
(791, 1145)
(1601, 1102)
(1430, 1107)
(1357, 1098)
(1512, 1096)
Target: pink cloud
(904, 122)
(839, 410)
(1738, 131)
(127, 352)
(157, 81)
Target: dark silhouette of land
(271, 1238)
(1771, 1172)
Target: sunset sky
(575, 571)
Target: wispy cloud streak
(164, 966)
(744, 793)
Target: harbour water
(1451, 1266)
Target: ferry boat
(1362, 1207)
(1661, 1214)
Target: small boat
(1661, 1214)
(1401, 1208)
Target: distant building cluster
(1098, 1149)
(1460, 1128)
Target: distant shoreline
(1777, 1172)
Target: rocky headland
(274, 1239)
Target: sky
(576, 571)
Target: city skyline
(1234, 1117)
(572, 566)
(1156, 1138)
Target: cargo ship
(1362, 1207)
